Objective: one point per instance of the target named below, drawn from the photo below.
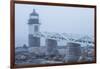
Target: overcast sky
(73, 20)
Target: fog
(73, 20)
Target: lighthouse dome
(34, 13)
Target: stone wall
(34, 41)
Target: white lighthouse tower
(33, 28)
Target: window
(36, 29)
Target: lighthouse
(33, 25)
